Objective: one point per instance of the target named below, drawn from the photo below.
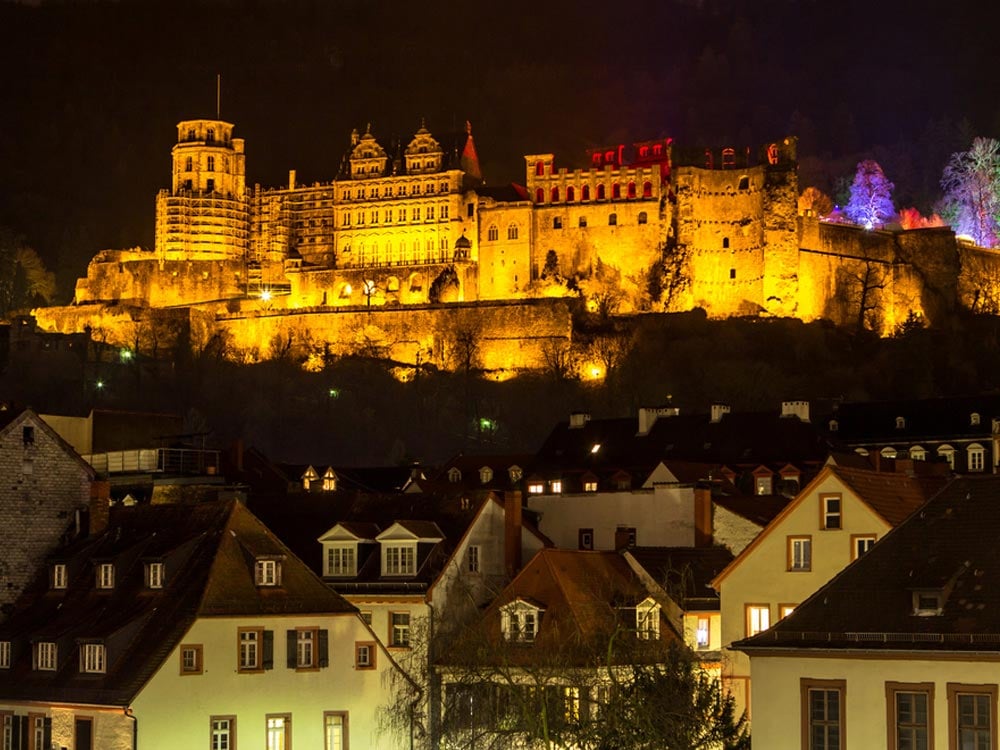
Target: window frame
(707, 630)
(958, 689)
(785, 609)
(230, 733)
(105, 576)
(312, 664)
(198, 650)
(6, 653)
(749, 609)
(581, 537)
(891, 710)
(807, 685)
(975, 456)
(826, 515)
(154, 571)
(647, 620)
(804, 541)
(402, 566)
(404, 630)
(341, 551)
(93, 658)
(260, 572)
(285, 729)
(50, 650)
(258, 664)
(372, 654)
(473, 558)
(60, 576)
(856, 539)
(344, 726)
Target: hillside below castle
(407, 254)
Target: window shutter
(324, 648)
(268, 649)
(47, 742)
(291, 639)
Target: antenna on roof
(218, 95)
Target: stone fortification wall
(498, 336)
(378, 286)
(979, 278)
(781, 241)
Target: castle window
(210, 135)
(647, 189)
(557, 222)
(493, 234)
(539, 168)
(582, 222)
(210, 185)
(570, 194)
(732, 273)
(555, 195)
(539, 196)
(402, 214)
(210, 163)
(512, 232)
(725, 243)
(744, 183)
(616, 191)
(643, 152)
(188, 164)
(430, 212)
(586, 193)
(470, 210)
(444, 212)
(657, 149)
(600, 192)
(596, 159)
(631, 190)
(416, 214)
(642, 217)
(612, 220)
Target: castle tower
(204, 215)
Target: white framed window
(191, 659)
(918, 453)
(93, 658)
(154, 575)
(59, 578)
(977, 457)
(702, 632)
(799, 553)
(555, 486)
(106, 576)
(472, 558)
(45, 656)
(860, 544)
(250, 649)
(758, 618)
(399, 629)
(341, 560)
(267, 572)
(519, 621)
(223, 732)
(647, 620)
(335, 731)
(305, 649)
(399, 560)
(830, 507)
(4, 654)
(364, 655)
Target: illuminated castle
(407, 245)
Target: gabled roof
(209, 552)
(891, 496)
(28, 415)
(924, 419)
(949, 547)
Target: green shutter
(324, 648)
(268, 649)
(47, 742)
(291, 641)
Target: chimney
(100, 501)
(702, 516)
(798, 409)
(237, 454)
(719, 411)
(578, 419)
(291, 179)
(512, 532)
(649, 414)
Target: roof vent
(578, 419)
(798, 409)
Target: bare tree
(859, 293)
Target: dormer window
(536, 488)
(647, 620)
(59, 577)
(45, 654)
(341, 560)
(555, 486)
(267, 572)
(918, 453)
(763, 485)
(590, 485)
(948, 454)
(308, 477)
(93, 658)
(976, 457)
(927, 603)
(519, 621)
(834, 425)
(454, 475)
(106, 576)
(486, 475)
(900, 423)
(515, 473)
(888, 452)
(154, 575)
(974, 419)
(399, 559)
(329, 481)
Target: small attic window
(454, 475)
(28, 435)
(834, 425)
(515, 473)
(485, 475)
(900, 423)
(267, 572)
(927, 603)
(974, 419)
(329, 481)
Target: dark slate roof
(685, 573)
(949, 546)
(469, 466)
(758, 509)
(356, 478)
(926, 419)
(509, 193)
(208, 551)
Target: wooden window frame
(805, 685)
(747, 609)
(313, 664)
(30, 728)
(392, 641)
(824, 498)
(199, 660)
(372, 654)
(891, 688)
(790, 557)
(344, 723)
(286, 726)
(260, 650)
(231, 731)
(956, 689)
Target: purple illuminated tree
(971, 184)
(871, 196)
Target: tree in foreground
(971, 185)
(870, 204)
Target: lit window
(335, 730)
(329, 481)
(830, 505)
(472, 558)
(106, 576)
(535, 488)
(305, 649)
(45, 656)
(399, 629)
(784, 610)
(888, 452)
(191, 659)
(515, 473)
(341, 561)
(485, 475)
(824, 710)
(861, 544)
(59, 576)
(977, 457)
(400, 560)
(92, 658)
(364, 656)
(909, 708)
(279, 732)
(702, 632)
(590, 485)
(647, 620)
(223, 732)
(154, 575)
(555, 486)
(267, 572)
(519, 621)
(758, 618)
(763, 485)
(799, 553)
(918, 453)
(4, 654)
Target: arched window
(512, 232)
(596, 159)
(586, 193)
(976, 457)
(643, 152)
(539, 196)
(918, 453)
(493, 233)
(888, 452)
(555, 195)
(948, 454)
(210, 135)
(725, 242)
(647, 189)
(609, 157)
(642, 217)
(657, 149)
(744, 183)
(616, 191)
(612, 220)
(631, 190)
(570, 194)
(600, 192)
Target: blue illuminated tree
(871, 196)
(971, 184)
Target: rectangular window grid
(758, 618)
(249, 650)
(93, 657)
(305, 649)
(45, 656)
(473, 558)
(399, 635)
(279, 732)
(335, 731)
(223, 732)
(824, 719)
(364, 655)
(831, 507)
(191, 659)
(799, 553)
(400, 560)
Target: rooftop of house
(209, 553)
(929, 585)
(911, 421)
(685, 573)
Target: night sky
(90, 91)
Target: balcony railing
(184, 461)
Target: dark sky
(90, 91)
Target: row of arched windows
(493, 234)
(616, 192)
